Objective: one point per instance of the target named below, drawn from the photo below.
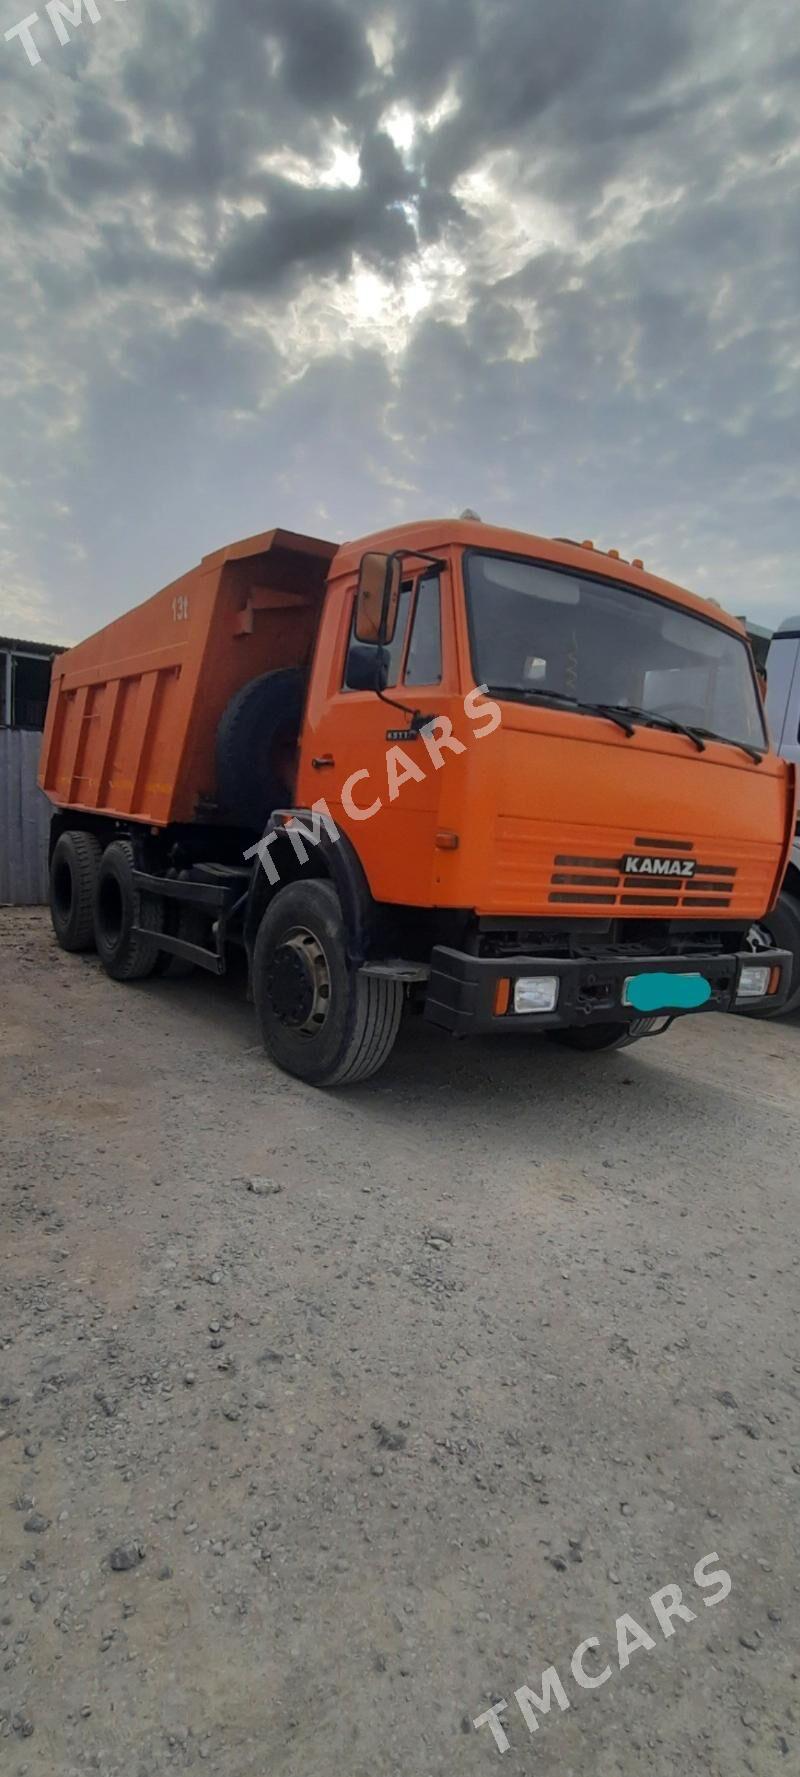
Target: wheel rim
(299, 983)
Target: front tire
(73, 879)
(118, 907)
(320, 1019)
(780, 928)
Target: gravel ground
(327, 1419)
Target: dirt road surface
(385, 1400)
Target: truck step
(191, 953)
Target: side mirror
(378, 598)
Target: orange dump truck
(514, 784)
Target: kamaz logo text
(638, 865)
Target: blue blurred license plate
(660, 991)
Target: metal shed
(24, 812)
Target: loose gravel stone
(126, 1557)
(36, 1524)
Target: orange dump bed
(133, 712)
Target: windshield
(539, 632)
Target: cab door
(359, 752)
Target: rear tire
(73, 878)
(782, 929)
(592, 1037)
(320, 1019)
(118, 907)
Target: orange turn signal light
(502, 997)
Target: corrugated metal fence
(24, 820)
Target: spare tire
(256, 740)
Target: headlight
(536, 993)
(753, 983)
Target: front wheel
(590, 1037)
(320, 1019)
(779, 930)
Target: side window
(395, 649)
(424, 663)
(397, 645)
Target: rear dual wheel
(320, 1018)
(94, 904)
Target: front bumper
(463, 989)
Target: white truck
(782, 926)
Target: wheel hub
(298, 984)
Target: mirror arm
(402, 555)
(417, 719)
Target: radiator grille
(602, 882)
(562, 868)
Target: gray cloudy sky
(335, 263)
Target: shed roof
(15, 645)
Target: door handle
(323, 762)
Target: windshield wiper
(699, 735)
(654, 719)
(724, 740)
(610, 711)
